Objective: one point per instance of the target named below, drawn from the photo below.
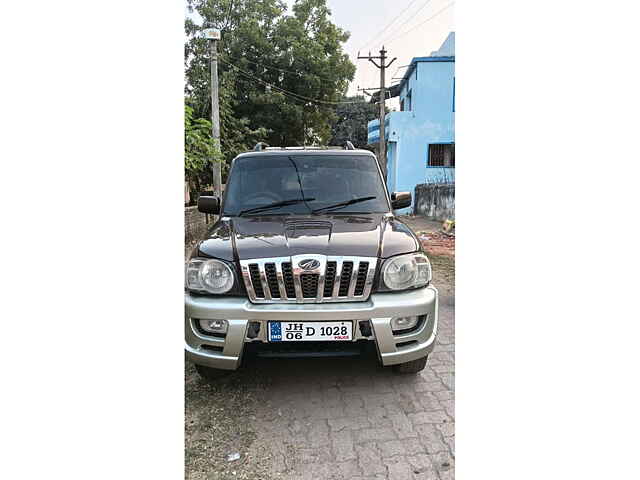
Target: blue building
(421, 136)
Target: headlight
(406, 271)
(211, 276)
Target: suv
(308, 259)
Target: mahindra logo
(309, 264)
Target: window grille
(442, 155)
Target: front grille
(309, 283)
(282, 280)
(361, 278)
(287, 274)
(329, 279)
(345, 278)
(255, 279)
(272, 279)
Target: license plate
(309, 331)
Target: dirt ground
(342, 418)
(440, 249)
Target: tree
(351, 122)
(199, 151)
(262, 46)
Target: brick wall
(195, 225)
(437, 202)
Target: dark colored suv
(307, 258)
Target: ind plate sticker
(275, 332)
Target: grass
(219, 420)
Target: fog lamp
(403, 323)
(214, 326)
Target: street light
(213, 35)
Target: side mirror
(400, 200)
(209, 205)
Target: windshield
(305, 183)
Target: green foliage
(299, 52)
(351, 122)
(200, 150)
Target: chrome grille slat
(345, 277)
(361, 280)
(280, 277)
(330, 278)
(350, 276)
(336, 284)
(263, 280)
(354, 279)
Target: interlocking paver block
(342, 444)
(402, 426)
(369, 460)
(438, 416)
(346, 469)
(431, 438)
(447, 429)
(374, 434)
(318, 433)
(348, 423)
(444, 395)
(408, 446)
(398, 468)
(379, 399)
(420, 462)
(431, 385)
(449, 407)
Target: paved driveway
(352, 419)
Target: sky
(403, 37)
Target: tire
(414, 366)
(209, 374)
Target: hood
(365, 235)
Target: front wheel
(413, 366)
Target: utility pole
(214, 35)
(382, 149)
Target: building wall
(195, 225)
(430, 120)
(436, 202)
(430, 82)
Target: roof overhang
(414, 64)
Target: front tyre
(413, 366)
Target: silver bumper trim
(226, 353)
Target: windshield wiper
(342, 204)
(283, 203)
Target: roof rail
(262, 146)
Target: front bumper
(226, 352)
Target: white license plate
(309, 331)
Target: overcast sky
(366, 18)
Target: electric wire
(421, 23)
(296, 96)
(300, 74)
(388, 25)
(385, 39)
